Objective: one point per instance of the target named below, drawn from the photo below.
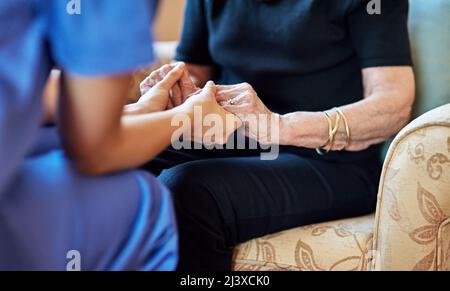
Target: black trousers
(223, 198)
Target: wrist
(293, 129)
(134, 109)
(303, 129)
(184, 109)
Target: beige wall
(169, 20)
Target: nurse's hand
(224, 123)
(157, 98)
(258, 120)
(178, 94)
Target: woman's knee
(188, 183)
(194, 192)
(201, 220)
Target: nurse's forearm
(140, 108)
(96, 134)
(138, 139)
(389, 95)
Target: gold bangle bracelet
(336, 128)
(347, 127)
(320, 150)
(333, 132)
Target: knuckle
(153, 75)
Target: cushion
(337, 245)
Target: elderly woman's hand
(179, 92)
(243, 101)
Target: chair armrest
(412, 224)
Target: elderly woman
(340, 82)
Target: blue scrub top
(107, 37)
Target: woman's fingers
(150, 81)
(236, 87)
(226, 93)
(187, 85)
(164, 70)
(231, 121)
(147, 84)
(224, 97)
(226, 87)
(176, 95)
(169, 105)
(154, 78)
(171, 78)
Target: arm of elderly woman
(386, 108)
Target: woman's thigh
(114, 222)
(256, 197)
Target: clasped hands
(240, 101)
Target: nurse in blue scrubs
(84, 197)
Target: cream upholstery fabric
(338, 245)
(413, 214)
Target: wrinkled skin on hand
(243, 101)
(180, 92)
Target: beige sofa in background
(411, 227)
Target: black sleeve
(193, 47)
(381, 39)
